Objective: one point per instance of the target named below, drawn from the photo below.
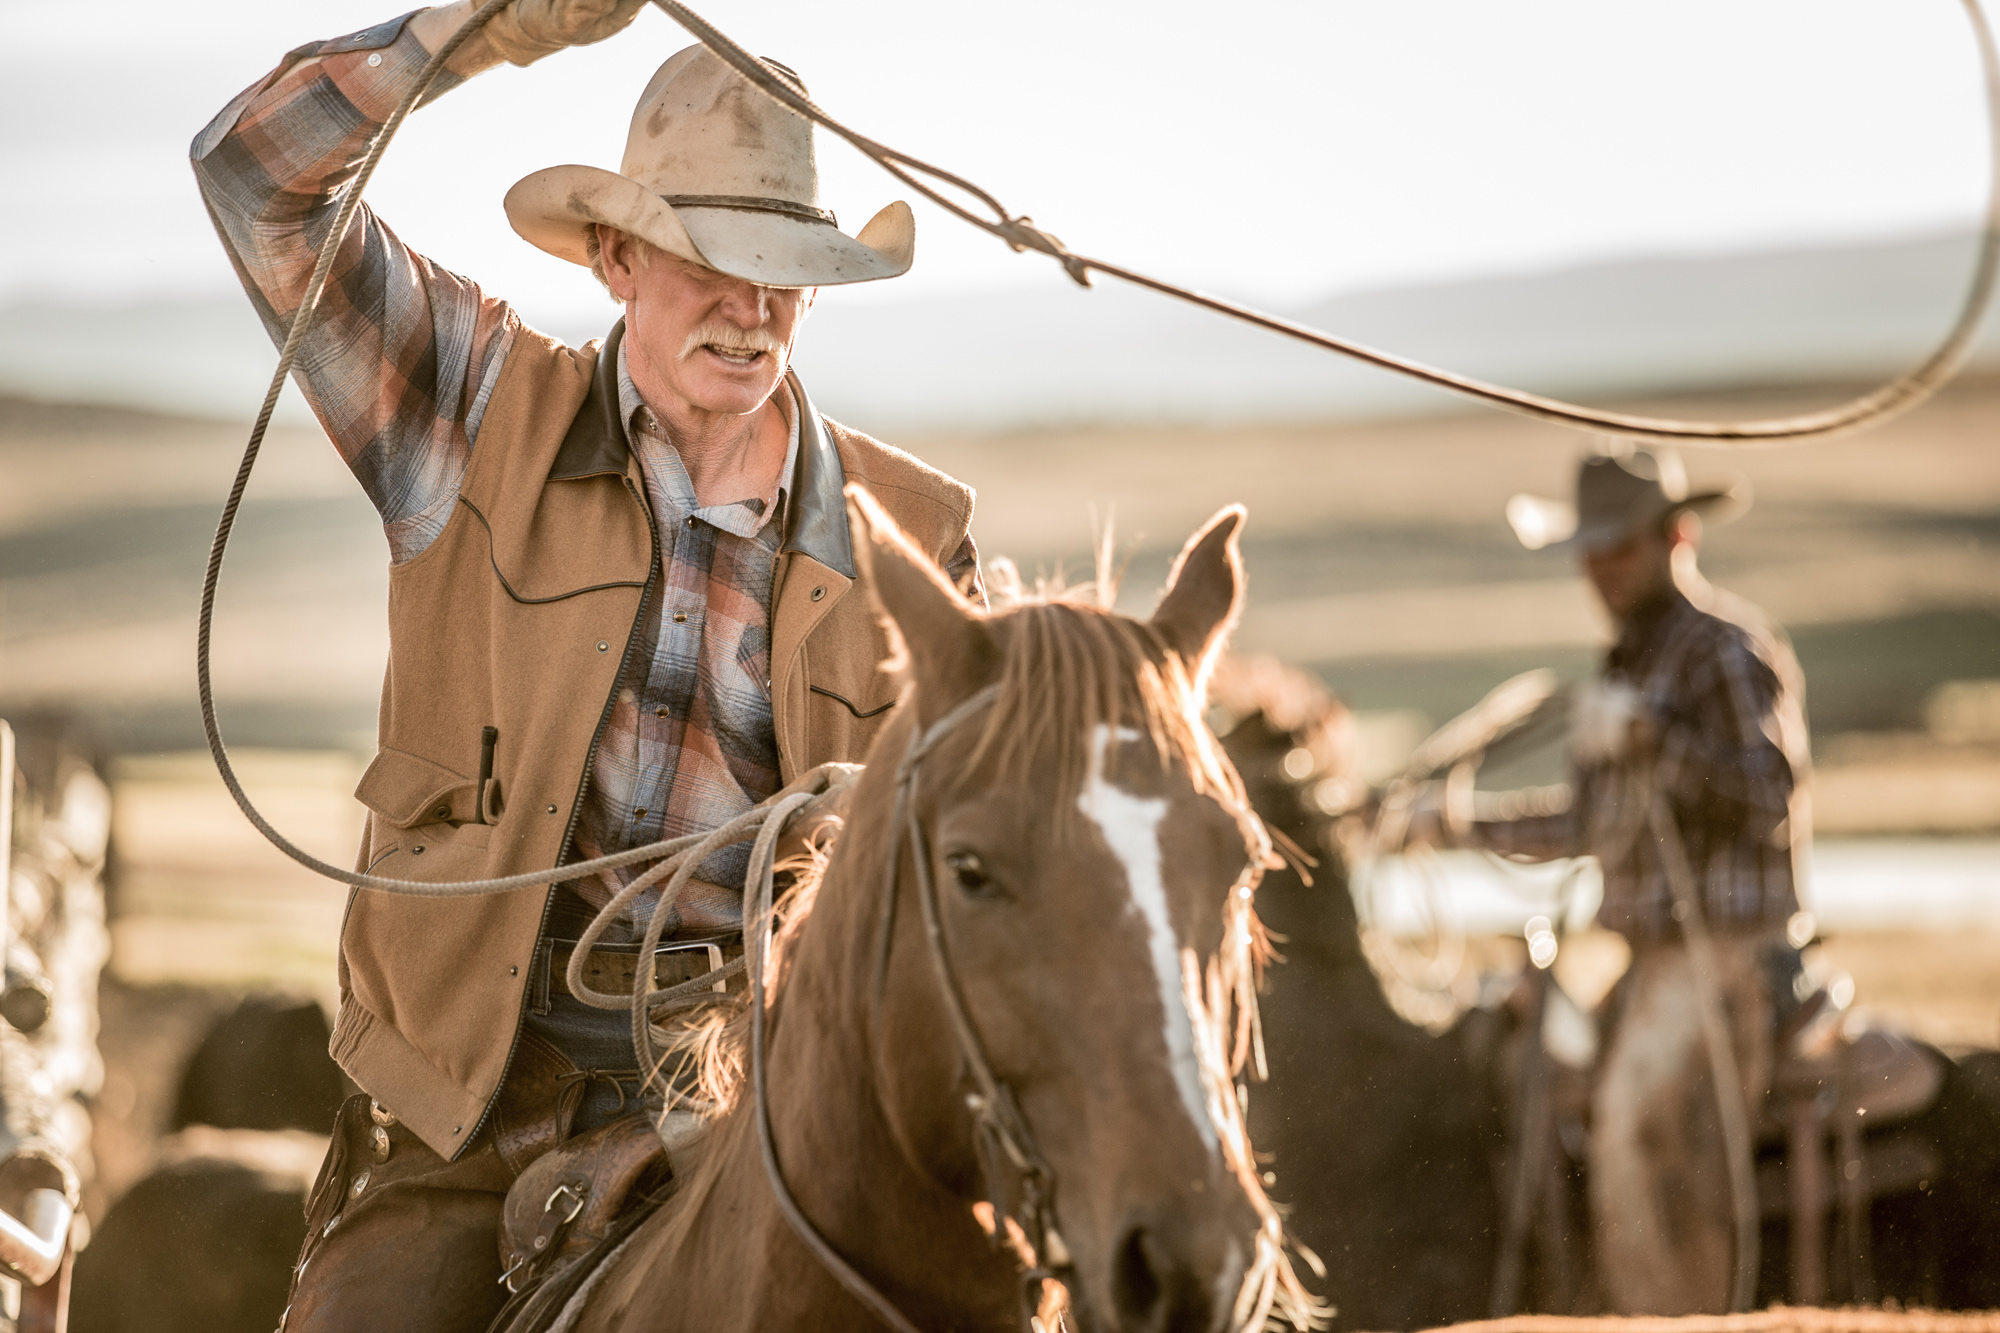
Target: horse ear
(943, 637)
(1204, 593)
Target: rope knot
(1021, 233)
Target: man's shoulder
(902, 481)
(1726, 626)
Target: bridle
(1020, 1183)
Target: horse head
(1089, 860)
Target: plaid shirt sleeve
(402, 355)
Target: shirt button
(690, 520)
(375, 60)
(640, 813)
(659, 712)
(680, 617)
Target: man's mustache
(732, 341)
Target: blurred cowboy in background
(1699, 699)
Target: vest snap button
(603, 647)
(552, 809)
(818, 593)
(417, 850)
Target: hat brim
(1539, 523)
(551, 209)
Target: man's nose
(747, 305)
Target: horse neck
(728, 1258)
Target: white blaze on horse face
(1130, 826)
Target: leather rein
(1019, 1181)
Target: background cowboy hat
(717, 173)
(1620, 491)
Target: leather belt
(614, 968)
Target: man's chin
(733, 395)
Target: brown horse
(1093, 861)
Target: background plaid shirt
(399, 365)
(1725, 698)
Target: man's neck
(728, 456)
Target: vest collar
(816, 515)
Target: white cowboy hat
(718, 173)
(1618, 493)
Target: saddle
(569, 1198)
(1878, 1077)
(1835, 1090)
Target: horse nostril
(1136, 1285)
(1161, 1280)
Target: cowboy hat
(718, 173)
(1620, 493)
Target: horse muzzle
(1167, 1271)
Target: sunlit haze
(1279, 150)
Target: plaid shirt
(399, 365)
(1725, 698)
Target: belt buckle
(714, 952)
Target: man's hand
(527, 30)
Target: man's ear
(950, 650)
(1204, 594)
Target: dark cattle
(264, 1066)
(204, 1244)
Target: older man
(622, 599)
(1702, 698)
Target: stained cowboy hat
(1620, 493)
(718, 173)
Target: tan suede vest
(522, 616)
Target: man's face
(1633, 572)
(718, 344)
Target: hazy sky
(1277, 149)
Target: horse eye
(969, 871)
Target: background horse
(1094, 860)
(1390, 1145)
(1381, 1136)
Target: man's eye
(968, 871)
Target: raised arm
(402, 354)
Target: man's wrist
(434, 27)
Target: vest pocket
(407, 790)
(434, 853)
(424, 827)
